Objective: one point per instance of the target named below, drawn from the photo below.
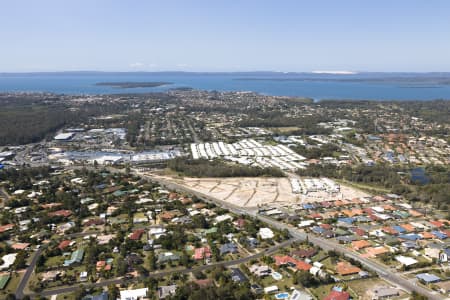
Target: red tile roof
(437, 223)
(203, 252)
(359, 231)
(62, 213)
(136, 235)
(346, 268)
(204, 283)
(360, 244)
(64, 244)
(20, 246)
(335, 295)
(326, 226)
(283, 260)
(389, 230)
(50, 205)
(240, 223)
(6, 227)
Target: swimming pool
(277, 276)
(282, 296)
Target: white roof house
(306, 223)
(133, 294)
(404, 260)
(64, 136)
(8, 261)
(222, 218)
(271, 289)
(266, 233)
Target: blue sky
(224, 35)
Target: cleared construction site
(261, 191)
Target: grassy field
(12, 285)
(322, 291)
(360, 287)
(67, 296)
(284, 284)
(365, 187)
(329, 264)
(55, 261)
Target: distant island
(131, 85)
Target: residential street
(325, 244)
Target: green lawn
(69, 296)
(284, 284)
(328, 264)
(323, 290)
(12, 284)
(360, 287)
(319, 256)
(55, 261)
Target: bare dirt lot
(253, 192)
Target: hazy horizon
(224, 36)
(313, 72)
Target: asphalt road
(27, 275)
(72, 288)
(325, 244)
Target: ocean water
(318, 87)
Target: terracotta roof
(437, 223)
(415, 213)
(336, 295)
(368, 210)
(339, 203)
(300, 265)
(372, 252)
(445, 221)
(408, 227)
(94, 221)
(360, 244)
(379, 198)
(62, 213)
(173, 196)
(373, 217)
(316, 216)
(304, 253)
(6, 227)
(388, 207)
(20, 246)
(348, 213)
(203, 252)
(199, 205)
(167, 215)
(203, 283)
(102, 265)
(389, 230)
(446, 231)
(427, 235)
(50, 205)
(346, 268)
(64, 244)
(359, 231)
(326, 226)
(186, 200)
(240, 223)
(136, 235)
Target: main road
(326, 244)
(119, 280)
